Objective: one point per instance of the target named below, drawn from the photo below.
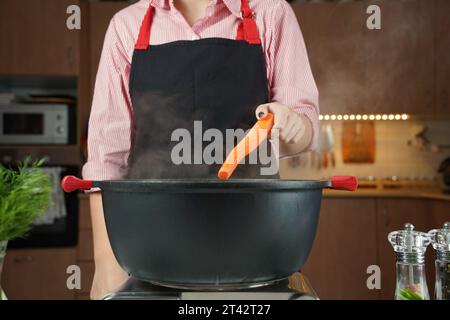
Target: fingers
(280, 114)
(296, 132)
(288, 130)
(299, 134)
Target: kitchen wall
(393, 156)
(402, 68)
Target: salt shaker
(440, 239)
(410, 247)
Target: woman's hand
(293, 130)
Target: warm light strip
(364, 117)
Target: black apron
(217, 81)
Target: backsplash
(393, 155)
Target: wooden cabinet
(37, 40)
(100, 14)
(391, 70)
(345, 246)
(38, 273)
(91, 42)
(5, 37)
(443, 57)
(87, 270)
(400, 58)
(333, 35)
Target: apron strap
(247, 29)
(143, 40)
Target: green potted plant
(25, 194)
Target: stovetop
(296, 287)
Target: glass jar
(410, 247)
(440, 239)
(411, 282)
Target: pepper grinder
(410, 247)
(440, 239)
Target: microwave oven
(37, 124)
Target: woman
(166, 63)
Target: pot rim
(202, 185)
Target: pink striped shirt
(289, 74)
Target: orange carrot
(258, 133)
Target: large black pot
(210, 233)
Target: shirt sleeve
(110, 122)
(290, 78)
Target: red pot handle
(72, 183)
(349, 183)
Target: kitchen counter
(433, 194)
